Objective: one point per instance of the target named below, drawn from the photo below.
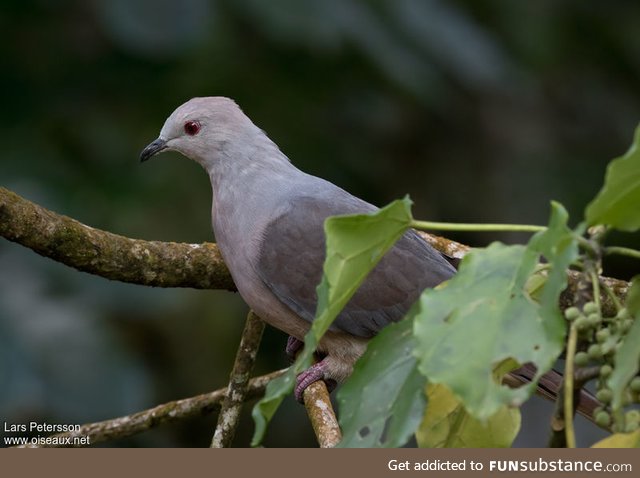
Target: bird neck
(245, 164)
(247, 177)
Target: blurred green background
(481, 111)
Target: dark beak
(154, 148)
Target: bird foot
(313, 374)
(293, 347)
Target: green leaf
(446, 424)
(355, 244)
(484, 315)
(617, 202)
(627, 358)
(480, 318)
(559, 246)
(620, 440)
(633, 297)
(382, 403)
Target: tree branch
(236, 391)
(168, 412)
(323, 418)
(152, 263)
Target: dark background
(481, 111)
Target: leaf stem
(453, 226)
(586, 244)
(569, 431)
(623, 251)
(595, 283)
(612, 296)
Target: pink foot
(312, 374)
(293, 346)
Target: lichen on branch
(115, 257)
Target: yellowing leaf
(446, 424)
(620, 440)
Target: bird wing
(292, 253)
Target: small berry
(607, 347)
(572, 313)
(594, 351)
(582, 323)
(581, 359)
(605, 370)
(602, 335)
(632, 416)
(594, 319)
(590, 308)
(623, 314)
(635, 384)
(604, 395)
(603, 419)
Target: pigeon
(268, 218)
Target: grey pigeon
(268, 222)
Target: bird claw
(293, 347)
(313, 374)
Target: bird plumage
(268, 220)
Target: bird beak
(153, 148)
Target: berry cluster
(600, 338)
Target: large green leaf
(627, 358)
(446, 424)
(355, 244)
(618, 202)
(479, 319)
(382, 403)
(484, 315)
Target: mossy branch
(152, 263)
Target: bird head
(199, 128)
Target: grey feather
(293, 251)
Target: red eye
(191, 128)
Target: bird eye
(191, 128)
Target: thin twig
(229, 415)
(569, 411)
(558, 438)
(128, 425)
